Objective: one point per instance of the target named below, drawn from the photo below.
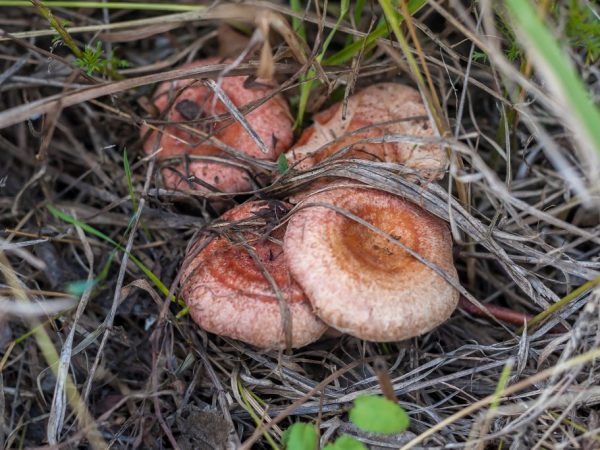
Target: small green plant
(345, 442)
(301, 436)
(370, 413)
(512, 50)
(480, 57)
(282, 163)
(378, 415)
(92, 60)
(583, 29)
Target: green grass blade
(305, 90)
(497, 397)
(94, 232)
(553, 64)
(348, 52)
(381, 30)
(298, 24)
(502, 383)
(183, 312)
(244, 393)
(134, 203)
(345, 7)
(555, 307)
(84, 226)
(307, 86)
(359, 5)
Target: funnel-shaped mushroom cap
(227, 292)
(193, 104)
(357, 280)
(373, 106)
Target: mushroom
(225, 282)
(378, 110)
(191, 101)
(360, 281)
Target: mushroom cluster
(348, 256)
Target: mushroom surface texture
(358, 281)
(227, 291)
(386, 109)
(193, 104)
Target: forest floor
(93, 352)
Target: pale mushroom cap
(376, 104)
(227, 294)
(358, 281)
(272, 122)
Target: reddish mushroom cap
(192, 102)
(220, 176)
(357, 280)
(228, 294)
(372, 106)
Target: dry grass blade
(582, 115)
(86, 421)
(236, 114)
(553, 371)
(11, 307)
(58, 409)
(46, 105)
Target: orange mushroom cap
(372, 107)
(358, 281)
(228, 294)
(191, 101)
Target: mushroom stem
(503, 314)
